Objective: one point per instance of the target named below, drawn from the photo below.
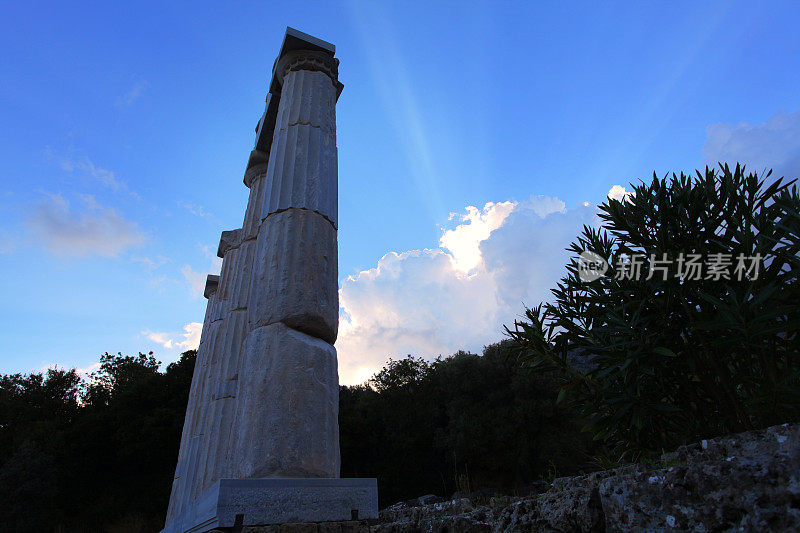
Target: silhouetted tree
(88, 456)
(460, 423)
(677, 357)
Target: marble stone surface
(179, 490)
(239, 290)
(287, 417)
(261, 435)
(229, 239)
(303, 171)
(310, 98)
(295, 274)
(213, 462)
(252, 216)
(276, 501)
(212, 283)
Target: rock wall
(744, 482)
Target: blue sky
(125, 129)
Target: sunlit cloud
(618, 192)
(463, 241)
(189, 339)
(433, 302)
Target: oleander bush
(673, 355)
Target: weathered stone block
(214, 458)
(196, 392)
(287, 415)
(309, 98)
(229, 239)
(228, 274)
(303, 172)
(256, 166)
(219, 308)
(255, 179)
(264, 399)
(298, 504)
(239, 293)
(212, 283)
(294, 277)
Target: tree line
(612, 369)
(99, 454)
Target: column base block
(250, 502)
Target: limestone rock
(202, 425)
(748, 482)
(287, 416)
(294, 277)
(218, 308)
(227, 276)
(744, 482)
(194, 423)
(572, 504)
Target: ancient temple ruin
(260, 442)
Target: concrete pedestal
(249, 502)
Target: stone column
(190, 424)
(222, 380)
(261, 439)
(204, 455)
(205, 426)
(237, 248)
(287, 414)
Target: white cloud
(86, 371)
(436, 301)
(211, 254)
(83, 372)
(136, 92)
(102, 175)
(89, 229)
(195, 280)
(774, 144)
(196, 209)
(464, 240)
(152, 263)
(618, 192)
(188, 340)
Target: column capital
(314, 60)
(229, 239)
(212, 282)
(256, 165)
